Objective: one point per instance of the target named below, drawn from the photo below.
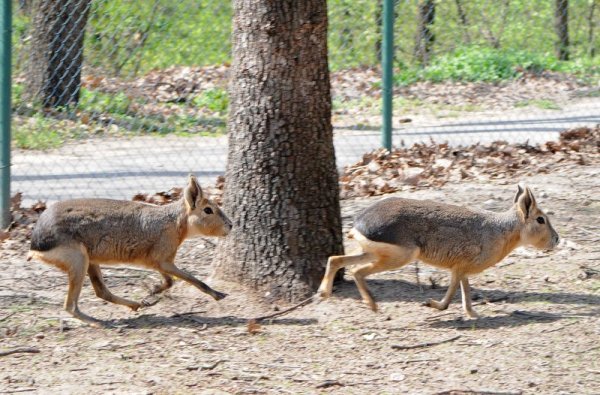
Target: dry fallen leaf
(253, 327)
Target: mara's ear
(520, 191)
(192, 193)
(526, 202)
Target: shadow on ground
(196, 321)
(385, 290)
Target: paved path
(119, 167)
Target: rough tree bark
(425, 36)
(561, 27)
(281, 187)
(54, 75)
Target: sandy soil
(540, 331)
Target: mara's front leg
(445, 302)
(465, 288)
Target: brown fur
(78, 235)
(395, 231)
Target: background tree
(54, 75)
(464, 23)
(590, 19)
(561, 27)
(281, 187)
(425, 37)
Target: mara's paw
(219, 295)
(323, 294)
(472, 315)
(148, 301)
(433, 304)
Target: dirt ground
(540, 331)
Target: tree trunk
(378, 29)
(591, 47)
(54, 77)
(462, 16)
(425, 37)
(561, 26)
(281, 186)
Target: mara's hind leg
(166, 283)
(335, 263)
(74, 260)
(104, 293)
(394, 258)
(168, 268)
(465, 288)
(445, 302)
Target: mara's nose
(228, 224)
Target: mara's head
(537, 230)
(205, 218)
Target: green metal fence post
(387, 60)
(5, 111)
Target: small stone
(397, 377)
(473, 371)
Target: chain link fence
(114, 97)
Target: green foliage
(101, 102)
(485, 64)
(544, 104)
(16, 94)
(215, 100)
(353, 33)
(126, 37)
(37, 133)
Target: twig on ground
(213, 365)
(188, 313)
(470, 392)
(560, 327)
(507, 264)
(421, 360)
(7, 316)
(546, 316)
(282, 312)
(31, 350)
(421, 345)
(534, 315)
(434, 317)
(19, 390)
(196, 320)
(329, 383)
(492, 300)
(589, 232)
(587, 350)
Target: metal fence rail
(111, 98)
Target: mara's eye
(540, 220)
(209, 211)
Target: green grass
(117, 114)
(544, 104)
(104, 103)
(484, 64)
(215, 100)
(38, 133)
(127, 39)
(133, 37)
